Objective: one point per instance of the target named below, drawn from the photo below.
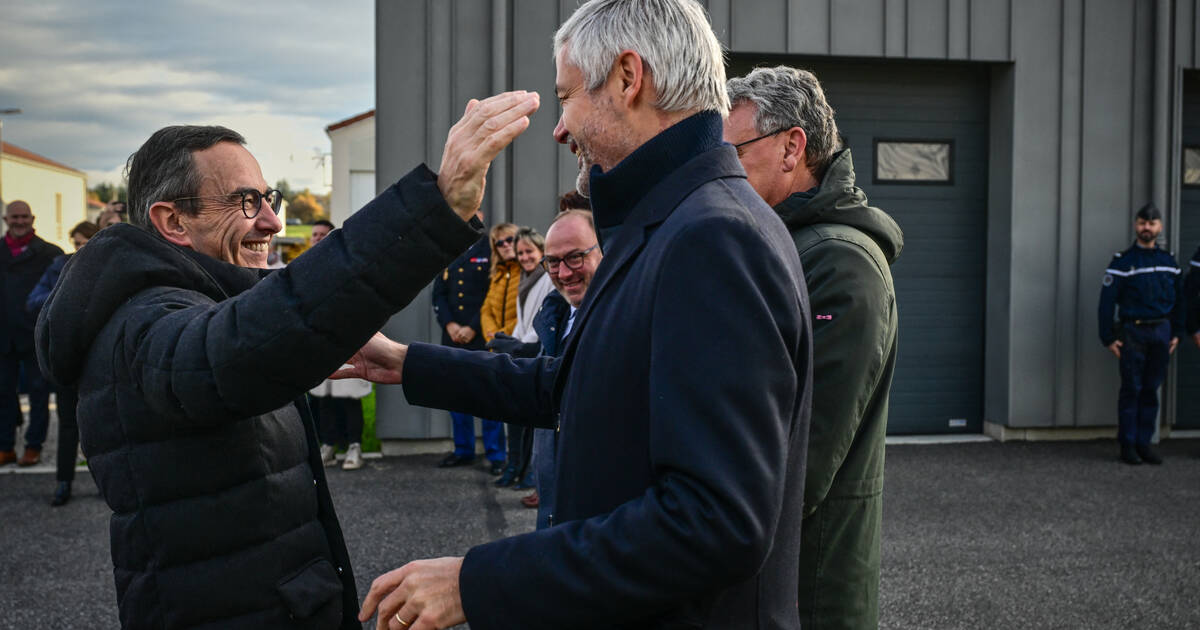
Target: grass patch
(370, 443)
(298, 231)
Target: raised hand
(475, 140)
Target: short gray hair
(162, 169)
(673, 37)
(789, 97)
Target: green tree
(106, 192)
(286, 189)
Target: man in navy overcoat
(682, 398)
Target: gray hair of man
(162, 169)
(673, 38)
(787, 97)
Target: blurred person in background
(23, 259)
(534, 286)
(65, 398)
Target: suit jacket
(682, 400)
(20, 275)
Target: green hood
(839, 201)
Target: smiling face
(528, 255)
(19, 219)
(504, 244)
(220, 229)
(567, 236)
(588, 125)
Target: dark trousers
(1144, 355)
(520, 448)
(68, 434)
(339, 420)
(10, 405)
(464, 436)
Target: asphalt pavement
(976, 535)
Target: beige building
(56, 192)
(353, 154)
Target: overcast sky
(95, 79)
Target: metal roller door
(1188, 370)
(931, 118)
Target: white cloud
(96, 79)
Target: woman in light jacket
(532, 290)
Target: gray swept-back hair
(673, 37)
(789, 97)
(162, 169)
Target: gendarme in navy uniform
(1141, 319)
(458, 295)
(1191, 294)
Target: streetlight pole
(10, 111)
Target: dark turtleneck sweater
(615, 193)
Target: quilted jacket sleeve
(200, 361)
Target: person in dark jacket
(1141, 319)
(787, 139)
(191, 379)
(572, 256)
(458, 296)
(65, 398)
(23, 259)
(1191, 291)
(680, 466)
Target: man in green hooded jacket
(788, 142)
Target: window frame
(875, 179)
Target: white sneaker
(353, 457)
(327, 456)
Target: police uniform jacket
(1142, 285)
(191, 374)
(459, 292)
(1192, 294)
(682, 400)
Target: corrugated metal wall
(1072, 126)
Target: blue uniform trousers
(10, 405)
(1144, 357)
(464, 436)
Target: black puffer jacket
(187, 369)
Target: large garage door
(925, 127)
(1188, 371)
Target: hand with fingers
(381, 360)
(475, 140)
(1115, 348)
(421, 595)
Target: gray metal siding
(940, 276)
(1072, 115)
(1188, 371)
(975, 30)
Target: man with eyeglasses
(191, 362)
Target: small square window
(913, 161)
(1191, 166)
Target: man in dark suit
(23, 259)
(682, 397)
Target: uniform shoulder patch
(1108, 280)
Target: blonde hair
(493, 236)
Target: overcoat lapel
(631, 238)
